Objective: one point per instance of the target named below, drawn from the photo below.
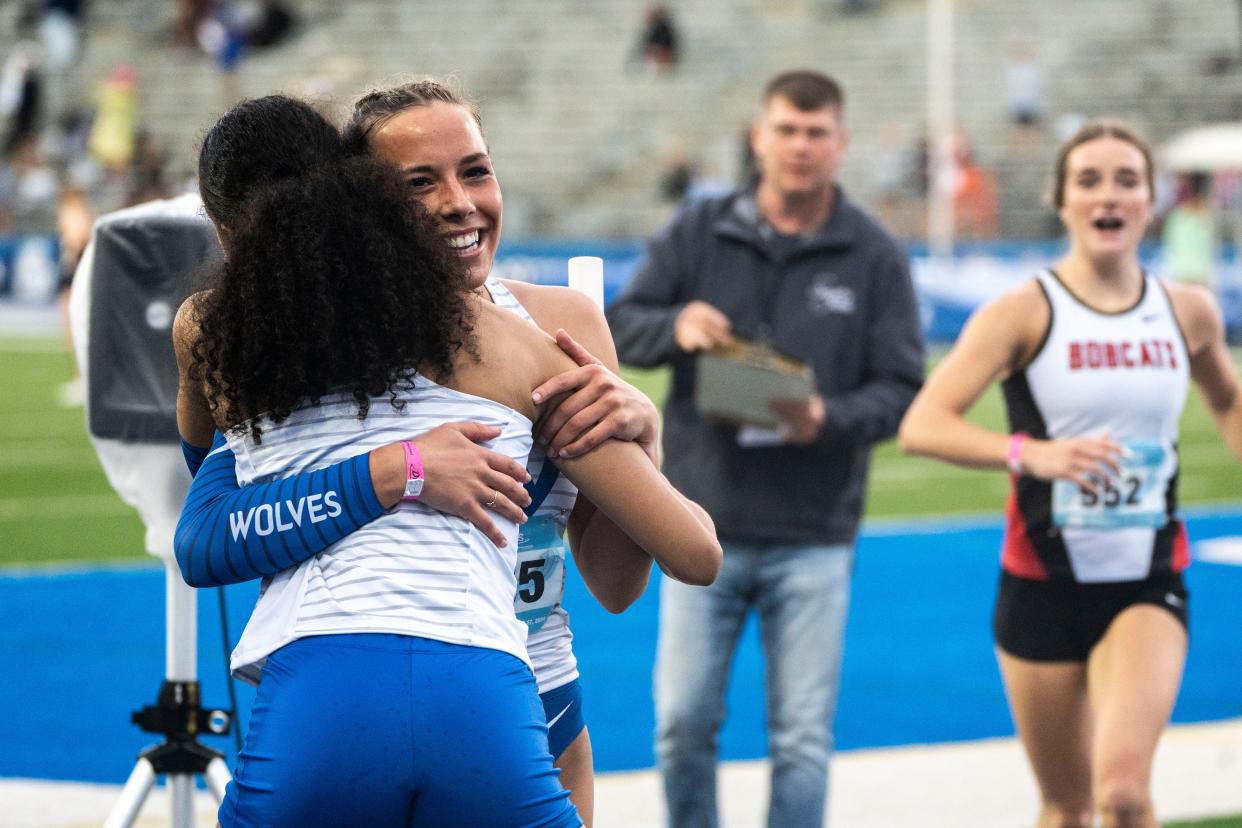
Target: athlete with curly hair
(341, 321)
(436, 133)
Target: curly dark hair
(335, 282)
(257, 142)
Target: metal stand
(178, 716)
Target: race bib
(540, 571)
(1134, 498)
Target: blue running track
(79, 650)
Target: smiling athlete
(1095, 356)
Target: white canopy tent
(1207, 148)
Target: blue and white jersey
(412, 571)
(550, 645)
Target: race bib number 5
(1133, 498)
(540, 571)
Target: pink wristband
(1014, 458)
(413, 471)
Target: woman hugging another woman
(395, 685)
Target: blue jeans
(802, 596)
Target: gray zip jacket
(839, 299)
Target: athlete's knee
(1124, 803)
(1121, 788)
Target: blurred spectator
(1189, 236)
(190, 15)
(21, 96)
(918, 171)
(1227, 198)
(59, 31)
(689, 179)
(111, 141)
(1024, 88)
(974, 194)
(8, 197)
(221, 36)
(917, 182)
(146, 175)
(675, 180)
(706, 183)
(31, 188)
(73, 225)
(265, 23)
(73, 228)
(747, 164)
(224, 30)
(659, 46)
(890, 173)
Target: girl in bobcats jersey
(334, 290)
(1094, 357)
(426, 127)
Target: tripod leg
(126, 809)
(217, 777)
(181, 786)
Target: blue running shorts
(562, 707)
(388, 730)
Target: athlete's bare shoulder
(1197, 314)
(555, 306)
(1025, 294)
(1015, 322)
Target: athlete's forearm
(932, 431)
(614, 568)
(229, 534)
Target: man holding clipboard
(791, 325)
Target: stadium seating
(580, 132)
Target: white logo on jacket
(824, 296)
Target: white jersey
(551, 645)
(1123, 375)
(412, 571)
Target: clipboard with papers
(737, 382)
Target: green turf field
(55, 504)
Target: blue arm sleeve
(194, 456)
(228, 534)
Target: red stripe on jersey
(1181, 548)
(1018, 555)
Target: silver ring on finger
(489, 504)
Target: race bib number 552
(1133, 498)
